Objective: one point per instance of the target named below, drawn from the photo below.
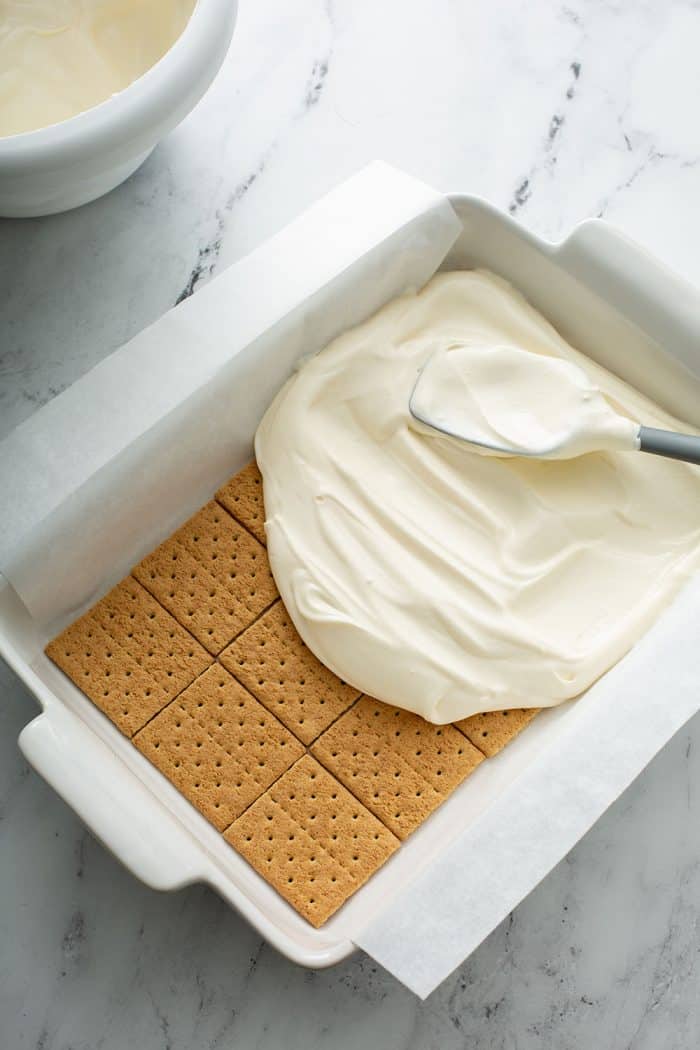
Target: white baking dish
(606, 296)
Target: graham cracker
(491, 731)
(156, 641)
(242, 496)
(218, 746)
(128, 655)
(212, 575)
(312, 840)
(272, 661)
(397, 764)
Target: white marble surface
(556, 111)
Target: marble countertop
(556, 112)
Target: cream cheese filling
(448, 582)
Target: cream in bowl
(88, 88)
(61, 57)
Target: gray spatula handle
(669, 444)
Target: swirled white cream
(448, 582)
(61, 57)
(505, 400)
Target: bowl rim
(183, 72)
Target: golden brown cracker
(107, 675)
(311, 840)
(350, 833)
(397, 764)
(241, 725)
(272, 661)
(290, 860)
(128, 657)
(242, 496)
(212, 575)
(151, 635)
(189, 591)
(218, 746)
(491, 731)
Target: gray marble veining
(556, 112)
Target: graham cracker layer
(398, 765)
(218, 746)
(312, 840)
(212, 575)
(242, 497)
(128, 655)
(490, 732)
(230, 734)
(272, 661)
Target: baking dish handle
(118, 809)
(662, 302)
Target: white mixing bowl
(67, 164)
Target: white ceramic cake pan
(62, 166)
(615, 303)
